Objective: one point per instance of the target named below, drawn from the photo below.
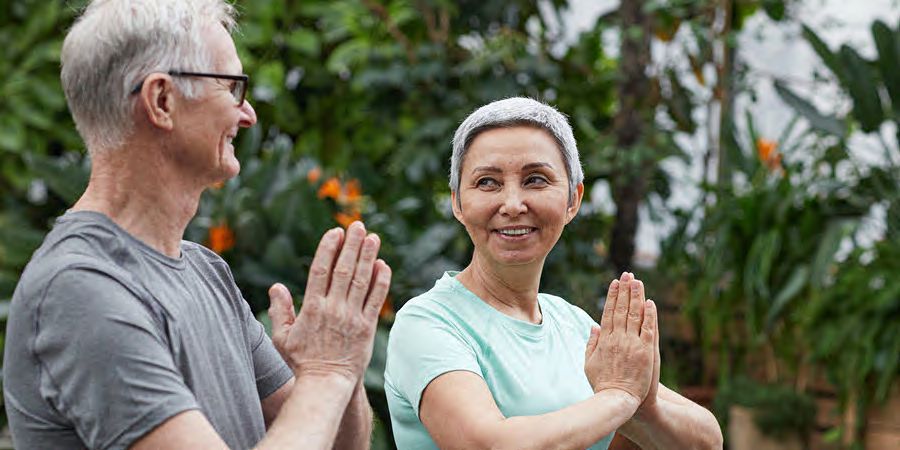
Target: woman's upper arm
(459, 412)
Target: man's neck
(512, 290)
(139, 191)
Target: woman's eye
(534, 179)
(486, 182)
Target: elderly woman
(483, 360)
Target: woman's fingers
(620, 316)
(609, 308)
(649, 330)
(635, 307)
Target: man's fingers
(381, 284)
(346, 262)
(592, 342)
(649, 329)
(636, 306)
(362, 278)
(323, 261)
(281, 307)
(620, 316)
(606, 320)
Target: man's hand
(620, 354)
(334, 331)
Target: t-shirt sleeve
(422, 346)
(105, 363)
(270, 369)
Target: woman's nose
(513, 202)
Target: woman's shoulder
(434, 303)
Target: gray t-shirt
(107, 338)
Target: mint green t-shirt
(530, 369)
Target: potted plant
(765, 416)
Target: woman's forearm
(674, 423)
(577, 426)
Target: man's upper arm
(271, 405)
(187, 430)
(105, 365)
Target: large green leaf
(888, 43)
(831, 60)
(794, 285)
(828, 246)
(819, 121)
(862, 85)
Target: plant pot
(743, 434)
(883, 425)
(621, 442)
(701, 395)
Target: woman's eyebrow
(491, 169)
(536, 165)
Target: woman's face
(514, 194)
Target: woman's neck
(512, 290)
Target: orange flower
(217, 185)
(345, 219)
(221, 238)
(767, 151)
(352, 191)
(313, 175)
(387, 310)
(330, 188)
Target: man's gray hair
(116, 43)
(511, 112)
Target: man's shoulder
(198, 252)
(73, 244)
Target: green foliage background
(372, 91)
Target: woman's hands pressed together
(623, 353)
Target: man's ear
(573, 208)
(157, 99)
(457, 211)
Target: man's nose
(248, 115)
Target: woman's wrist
(624, 402)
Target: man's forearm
(674, 424)
(311, 414)
(355, 431)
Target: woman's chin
(517, 259)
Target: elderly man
(121, 334)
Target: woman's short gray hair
(511, 112)
(116, 43)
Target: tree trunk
(629, 182)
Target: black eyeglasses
(238, 89)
